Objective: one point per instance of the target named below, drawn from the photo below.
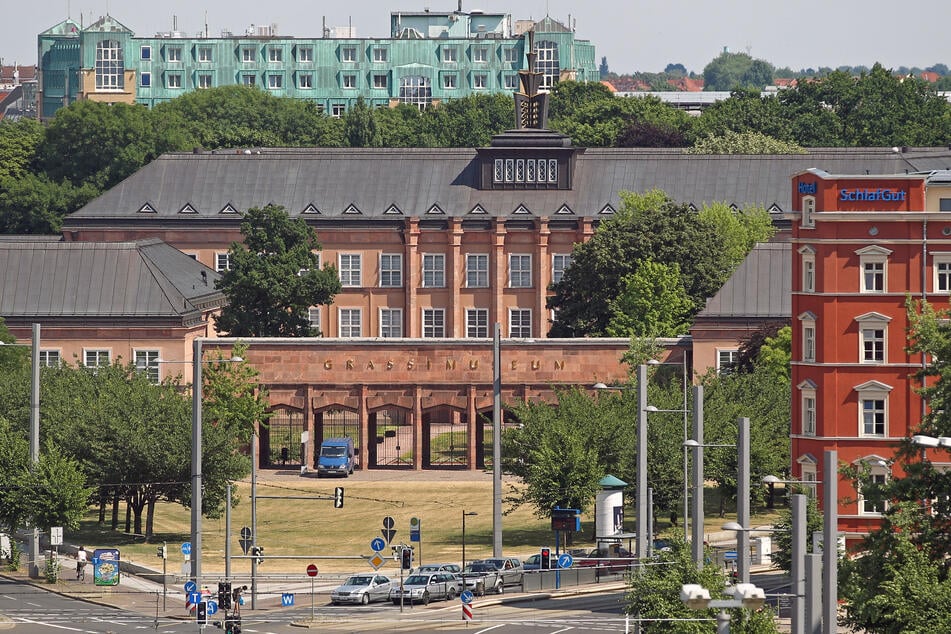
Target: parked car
(481, 577)
(423, 588)
(362, 589)
(510, 568)
(430, 568)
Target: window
(110, 70)
(305, 80)
(878, 475)
(248, 54)
(275, 54)
(50, 358)
(313, 317)
(477, 322)
(510, 82)
(520, 323)
(349, 265)
(434, 322)
(808, 474)
(337, 110)
(726, 359)
(275, 81)
(808, 325)
(379, 54)
(480, 81)
(174, 80)
(942, 273)
(391, 270)
(204, 80)
(350, 81)
(520, 271)
(872, 330)
(872, 262)
(546, 62)
(873, 408)
(223, 262)
(480, 54)
(146, 361)
(145, 52)
(305, 54)
(944, 204)
(808, 260)
(96, 358)
(449, 82)
(391, 322)
(379, 82)
(434, 270)
(416, 90)
(351, 322)
(348, 53)
(807, 392)
(477, 270)
(808, 211)
(559, 262)
(450, 54)
(248, 80)
(145, 80)
(204, 53)
(174, 53)
(510, 54)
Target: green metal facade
(331, 72)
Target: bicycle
(80, 571)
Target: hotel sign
(872, 195)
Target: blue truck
(336, 457)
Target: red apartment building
(861, 245)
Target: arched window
(416, 90)
(547, 62)
(109, 67)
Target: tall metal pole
(830, 542)
(641, 463)
(686, 467)
(650, 522)
(463, 538)
(743, 500)
(497, 441)
(196, 463)
(254, 520)
(696, 545)
(797, 570)
(813, 622)
(34, 568)
(228, 531)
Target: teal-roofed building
(429, 56)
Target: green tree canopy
(274, 277)
(18, 144)
(729, 71)
(748, 142)
(653, 303)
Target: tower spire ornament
(531, 106)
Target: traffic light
(162, 552)
(224, 595)
(545, 563)
(201, 613)
(338, 498)
(258, 553)
(406, 558)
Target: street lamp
(745, 595)
(464, 516)
(698, 480)
(683, 365)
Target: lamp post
(698, 447)
(745, 595)
(683, 365)
(464, 516)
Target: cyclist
(81, 563)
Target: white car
(423, 588)
(362, 589)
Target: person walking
(81, 559)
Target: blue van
(336, 457)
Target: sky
(634, 36)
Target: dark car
(423, 588)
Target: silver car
(362, 589)
(423, 588)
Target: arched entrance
(281, 439)
(390, 442)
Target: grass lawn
(314, 528)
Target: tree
(743, 143)
(775, 347)
(642, 134)
(274, 278)
(729, 71)
(360, 126)
(33, 204)
(18, 143)
(653, 303)
(782, 537)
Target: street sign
(377, 544)
(187, 548)
(190, 586)
(212, 607)
(388, 530)
(466, 611)
(287, 599)
(466, 596)
(565, 560)
(194, 598)
(245, 532)
(730, 555)
(414, 525)
(377, 561)
(311, 570)
(56, 536)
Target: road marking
(7, 596)
(35, 605)
(59, 627)
(562, 630)
(488, 629)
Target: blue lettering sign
(808, 188)
(871, 195)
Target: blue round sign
(466, 596)
(212, 607)
(565, 560)
(190, 586)
(377, 545)
(187, 548)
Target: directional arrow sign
(466, 596)
(212, 607)
(187, 548)
(190, 586)
(565, 560)
(377, 545)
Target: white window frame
(809, 476)
(873, 269)
(348, 54)
(510, 81)
(145, 52)
(434, 270)
(51, 358)
(380, 81)
(449, 81)
(434, 323)
(313, 317)
(808, 262)
(725, 358)
(349, 81)
(873, 338)
(941, 269)
(97, 357)
(275, 55)
(173, 54)
(223, 261)
(518, 328)
(873, 409)
(559, 264)
(275, 81)
(880, 472)
(477, 323)
(305, 54)
(480, 81)
(520, 270)
(391, 322)
(808, 220)
(204, 54)
(450, 54)
(510, 55)
(249, 80)
(174, 80)
(110, 67)
(337, 110)
(381, 55)
(350, 322)
(480, 54)
(249, 54)
(808, 328)
(350, 267)
(391, 270)
(205, 81)
(146, 361)
(477, 270)
(808, 408)
(145, 79)
(305, 81)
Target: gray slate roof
(760, 287)
(108, 280)
(369, 182)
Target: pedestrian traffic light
(338, 498)
(224, 595)
(162, 552)
(201, 613)
(406, 558)
(545, 563)
(258, 553)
